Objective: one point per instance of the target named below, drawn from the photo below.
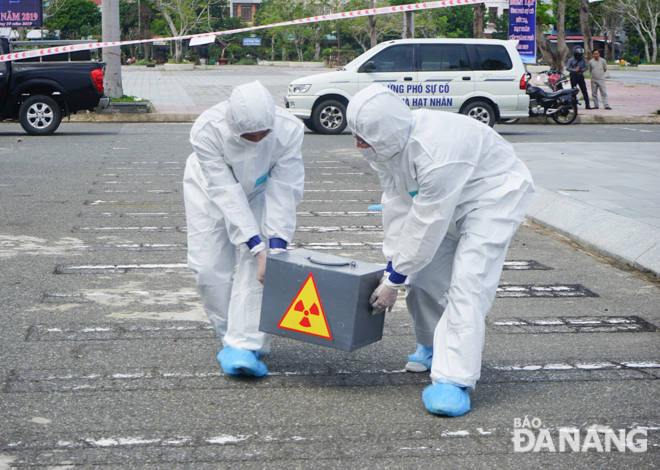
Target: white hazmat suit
(237, 193)
(454, 193)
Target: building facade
(244, 9)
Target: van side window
(395, 59)
(493, 57)
(443, 57)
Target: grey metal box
(302, 288)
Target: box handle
(331, 263)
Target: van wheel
(40, 115)
(329, 117)
(481, 112)
(310, 125)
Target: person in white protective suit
(454, 193)
(241, 185)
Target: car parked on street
(482, 78)
(38, 94)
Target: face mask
(369, 154)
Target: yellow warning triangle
(305, 314)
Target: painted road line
(335, 201)
(81, 380)
(140, 175)
(163, 215)
(529, 291)
(338, 245)
(343, 190)
(133, 191)
(140, 168)
(338, 214)
(127, 229)
(121, 268)
(352, 228)
(114, 331)
(618, 324)
(545, 291)
(239, 446)
(113, 162)
(311, 183)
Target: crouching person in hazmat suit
(241, 187)
(454, 193)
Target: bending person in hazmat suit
(241, 185)
(454, 193)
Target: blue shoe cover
(375, 208)
(446, 399)
(241, 362)
(423, 355)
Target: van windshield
(359, 60)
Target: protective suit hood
(382, 119)
(250, 109)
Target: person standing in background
(598, 67)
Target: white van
(483, 78)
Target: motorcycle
(555, 80)
(561, 106)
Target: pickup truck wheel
(40, 115)
(481, 112)
(329, 117)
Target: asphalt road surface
(107, 360)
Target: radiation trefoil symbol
(305, 314)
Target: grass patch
(128, 99)
(246, 62)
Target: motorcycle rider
(576, 66)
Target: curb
(626, 240)
(134, 117)
(190, 118)
(598, 119)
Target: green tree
(360, 29)
(501, 24)
(76, 19)
(186, 16)
(275, 11)
(131, 28)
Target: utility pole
(139, 30)
(111, 55)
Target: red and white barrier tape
(210, 36)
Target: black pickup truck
(39, 94)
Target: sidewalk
(191, 93)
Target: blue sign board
(522, 27)
(252, 41)
(21, 13)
